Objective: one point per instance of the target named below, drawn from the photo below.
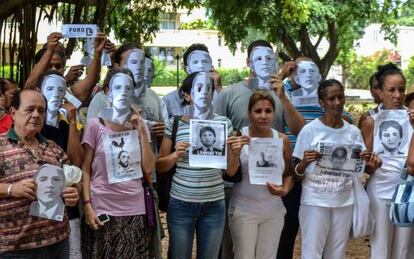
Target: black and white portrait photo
(123, 156)
(262, 162)
(339, 160)
(392, 132)
(50, 181)
(208, 143)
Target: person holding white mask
(233, 99)
(121, 88)
(263, 64)
(197, 194)
(53, 89)
(308, 77)
(149, 70)
(196, 58)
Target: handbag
(363, 222)
(149, 204)
(164, 179)
(402, 203)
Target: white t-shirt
(326, 190)
(254, 198)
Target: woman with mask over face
(197, 194)
(124, 235)
(388, 240)
(326, 208)
(256, 212)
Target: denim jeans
(59, 250)
(206, 218)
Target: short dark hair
(15, 103)
(325, 84)
(339, 149)
(187, 85)
(387, 70)
(390, 124)
(207, 128)
(38, 56)
(193, 47)
(124, 48)
(257, 43)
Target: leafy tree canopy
(301, 25)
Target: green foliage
(198, 25)
(406, 16)
(138, 20)
(409, 72)
(300, 25)
(6, 73)
(361, 68)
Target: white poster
(265, 161)
(79, 30)
(300, 99)
(208, 144)
(50, 181)
(339, 160)
(123, 156)
(392, 133)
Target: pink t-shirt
(117, 199)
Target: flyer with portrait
(299, 98)
(123, 156)
(265, 161)
(208, 144)
(392, 133)
(339, 160)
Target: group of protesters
(58, 119)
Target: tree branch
(288, 42)
(308, 48)
(332, 53)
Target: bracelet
(9, 190)
(296, 171)
(86, 202)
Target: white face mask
(307, 75)
(148, 72)
(198, 61)
(121, 88)
(53, 89)
(201, 92)
(263, 63)
(135, 63)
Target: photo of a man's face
(123, 159)
(198, 61)
(50, 182)
(121, 88)
(53, 89)
(390, 134)
(148, 72)
(308, 76)
(201, 92)
(208, 137)
(339, 158)
(135, 63)
(263, 62)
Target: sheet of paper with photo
(339, 160)
(50, 182)
(265, 156)
(208, 144)
(392, 133)
(300, 100)
(123, 156)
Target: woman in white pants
(327, 199)
(256, 212)
(388, 241)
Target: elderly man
(22, 152)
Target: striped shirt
(19, 230)
(193, 184)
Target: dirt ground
(357, 249)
